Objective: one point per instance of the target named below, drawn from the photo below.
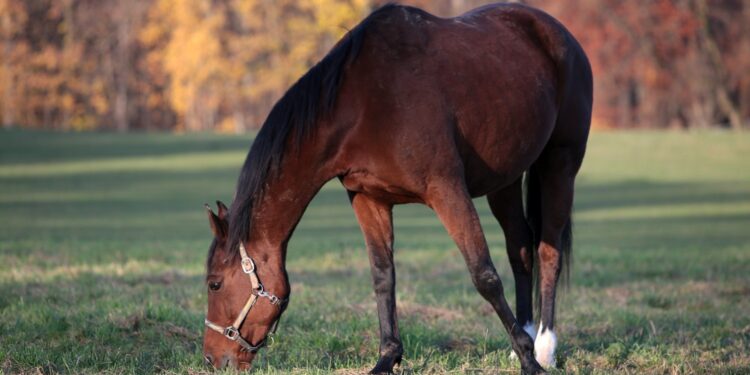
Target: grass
(103, 239)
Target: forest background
(197, 65)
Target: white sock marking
(544, 346)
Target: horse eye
(214, 285)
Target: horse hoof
(531, 367)
(381, 371)
(385, 365)
(378, 372)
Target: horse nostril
(209, 359)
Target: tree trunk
(65, 66)
(239, 120)
(713, 55)
(729, 108)
(8, 94)
(121, 76)
(121, 107)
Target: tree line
(191, 65)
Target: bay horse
(411, 108)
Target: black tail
(533, 206)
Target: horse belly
(379, 188)
(492, 169)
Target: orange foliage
(220, 64)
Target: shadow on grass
(649, 193)
(143, 206)
(45, 146)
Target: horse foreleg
(376, 221)
(452, 203)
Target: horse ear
(223, 210)
(217, 225)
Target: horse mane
(311, 98)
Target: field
(103, 239)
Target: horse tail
(533, 210)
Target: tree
(12, 20)
(220, 64)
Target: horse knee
(381, 268)
(383, 280)
(487, 281)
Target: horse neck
(305, 167)
(283, 202)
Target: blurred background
(187, 65)
(119, 121)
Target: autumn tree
(14, 48)
(191, 65)
(227, 61)
(665, 63)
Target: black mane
(312, 97)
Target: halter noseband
(232, 332)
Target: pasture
(103, 239)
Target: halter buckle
(248, 266)
(272, 298)
(231, 333)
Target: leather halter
(232, 332)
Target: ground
(103, 239)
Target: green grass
(103, 239)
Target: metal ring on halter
(231, 333)
(262, 293)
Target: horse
(411, 108)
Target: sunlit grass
(103, 240)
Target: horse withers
(412, 108)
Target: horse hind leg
(507, 207)
(452, 204)
(376, 221)
(555, 173)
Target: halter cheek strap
(232, 332)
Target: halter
(232, 332)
